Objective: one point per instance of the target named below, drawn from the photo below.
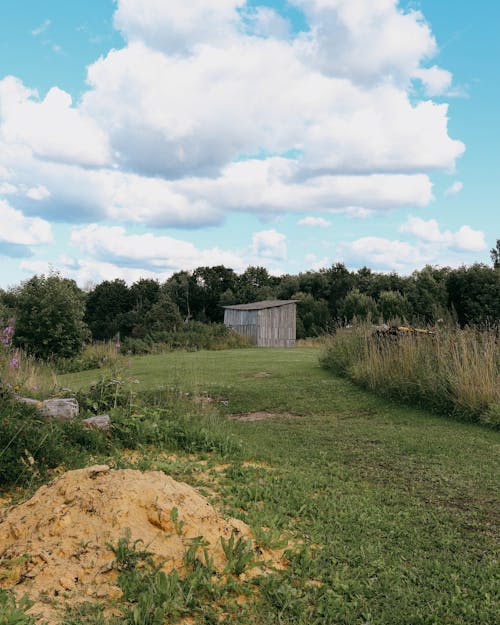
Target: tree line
(53, 316)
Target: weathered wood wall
(266, 327)
(277, 326)
(243, 322)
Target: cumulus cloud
(108, 252)
(265, 22)
(177, 26)
(168, 151)
(430, 245)
(51, 127)
(465, 239)
(213, 107)
(368, 41)
(269, 244)
(87, 271)
(114, 245)
(436, 80)
(19, 230)
(38, 193)
(383, 254)
(315, 222)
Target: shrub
(193, 335)
(49, 317)
(30, 445)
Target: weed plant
(93, 356)
(13, 612)
(393, 507)
(25, 375)
(456, 371)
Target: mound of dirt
(55, 547)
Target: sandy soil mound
(54, 546)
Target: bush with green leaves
(49, 317)
(191, 336)
(31, 445)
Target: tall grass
(456, 371)
(24, 374)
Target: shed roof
(268, 303)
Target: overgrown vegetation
(52, 318)
(394, 508)
(30, 445)
(455, 371)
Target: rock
(63, 409)
(100, 422)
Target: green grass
(397, 508)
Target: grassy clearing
(456, 371)
(396, 508)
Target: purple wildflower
(7, 334)
(14, 363)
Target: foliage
(456, 371)
(13, 612)
(239, 554)
(191, 336)
(359, 305)
(49, 317)
(93, 356)
(106, 306)
(495, 255)
(25, 374)
(30, 445)
(392, 507)
(474, 294)
(393, 305)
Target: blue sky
(289, 135)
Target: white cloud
(165, 134)
(369, 41)
(465, 239)
(20, 230)
(437, 81)
(51, 127)
(455, 188)
(41, 28)
(265, 22)
(431, 245)
(156, 253)
(38, 193)
(7, 189)
(383, 254)
(176, 25)
(468, 240)
(269, 244)
(86, 271)
(314, 222)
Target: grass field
(399, 507)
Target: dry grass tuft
(455, 371)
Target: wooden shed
(271, 323)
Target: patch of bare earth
(55, 547)
(263, 416)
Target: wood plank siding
(270, 323)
